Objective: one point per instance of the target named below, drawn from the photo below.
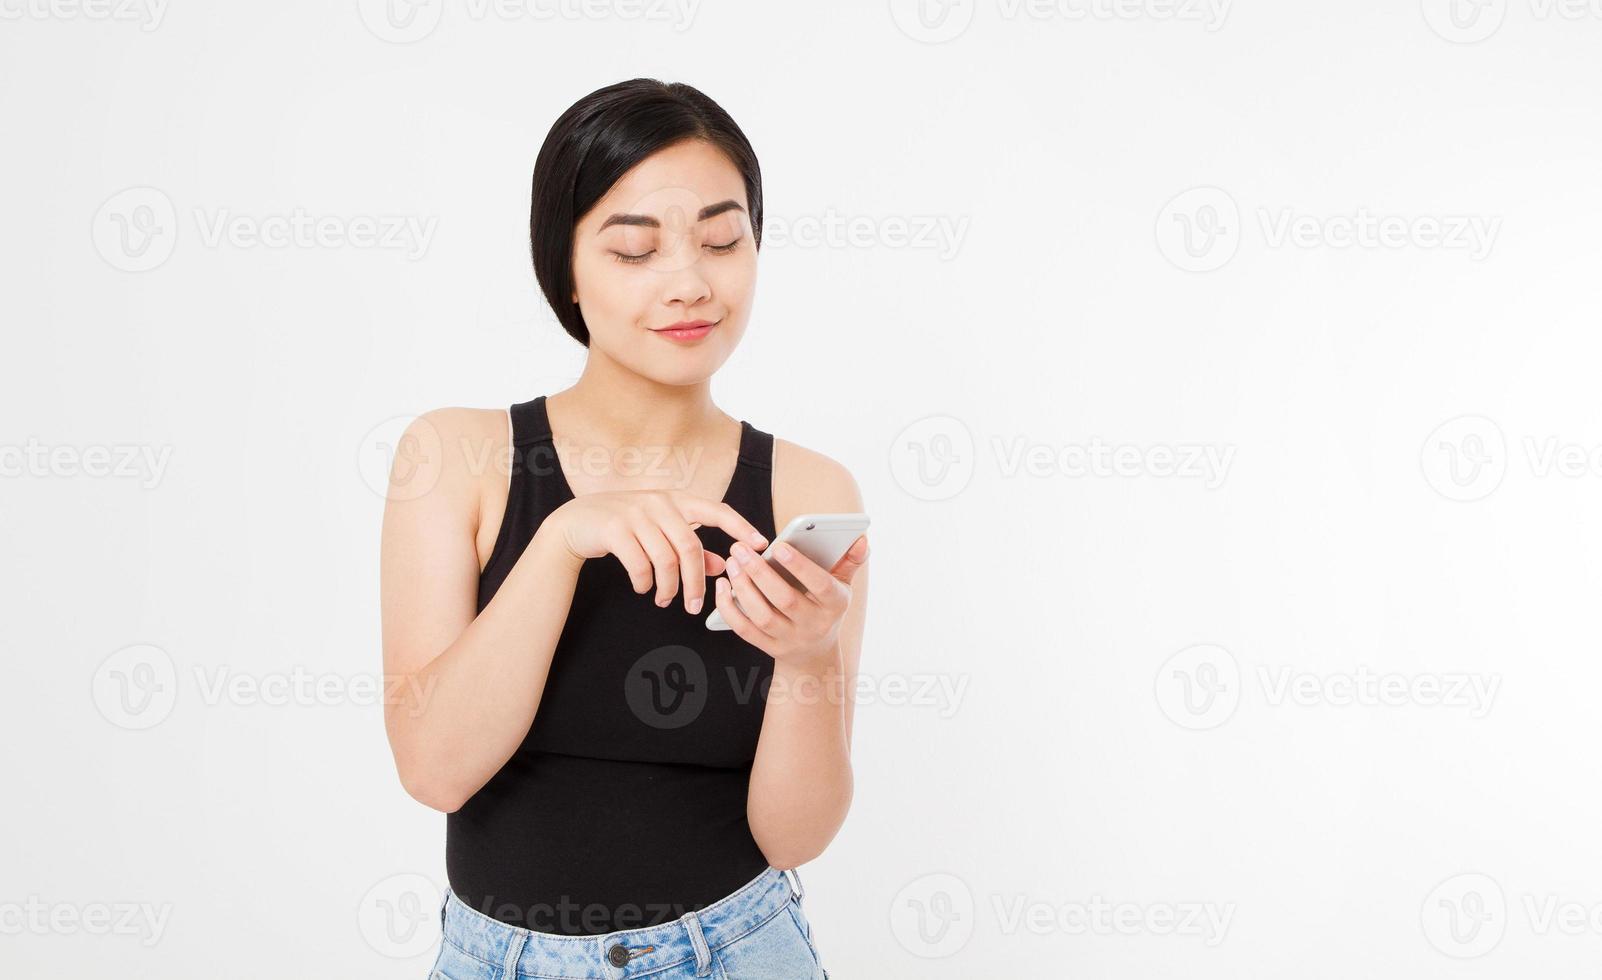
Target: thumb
(855, 557)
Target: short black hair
(598, 140)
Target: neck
(615, 406)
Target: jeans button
(618, 955)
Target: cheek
(606, 290)
(734, 279)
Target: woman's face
(670, 242)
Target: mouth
(686, 330)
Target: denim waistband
(624, 953)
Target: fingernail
(733, 567)
(695, 606)
(758, 540)
(722, 586)
(784, 552)
(663, 603)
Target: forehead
(684, 177)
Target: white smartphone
(824, 538)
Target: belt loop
(795, 888)
(703, 955)
(444, 901)
(514, 952)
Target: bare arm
(801, 781)
(472, 681)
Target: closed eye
(628, 259)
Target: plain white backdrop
(1220, 377)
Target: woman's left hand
(791, 626)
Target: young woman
(628, 792)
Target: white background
(1117, 641)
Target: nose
(686, 284)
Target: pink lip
(686, 330)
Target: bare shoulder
(458, 445)
(455, 457)
(806, 481)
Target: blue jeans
(758, 932)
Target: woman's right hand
(652, 532)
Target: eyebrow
(646, 221)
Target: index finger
(699, 510)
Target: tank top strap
(536, 473)
(756, 447)
(751, 492)
(530, 424)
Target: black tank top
(624, 806)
